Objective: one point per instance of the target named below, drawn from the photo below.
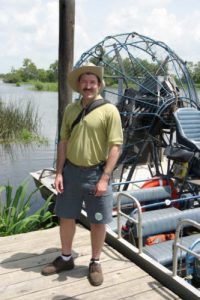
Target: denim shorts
(79, 189)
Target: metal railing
(178, 245)
(138, 221)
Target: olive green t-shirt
(89, 142)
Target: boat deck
(23, 256)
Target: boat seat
(188, 127)
(142, 195)
(164, 220)
(178, 154)
(162, 252)
(157, 221)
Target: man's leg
(65, 261)
(98, 233)
(67, 232)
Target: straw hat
(74, 75)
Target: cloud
(29, 29)
(160, 24)
(176, 23)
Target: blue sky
(29, 28)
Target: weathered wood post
(66, 54)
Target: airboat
(156, 183)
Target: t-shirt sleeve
(65, 130)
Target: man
(87, 155)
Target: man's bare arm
(113, 156)
(61, 157)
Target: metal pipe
(137, 222)
(177, 244)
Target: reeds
(45, 86)
(19, 124)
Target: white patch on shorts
(98, 216)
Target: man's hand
(102, 185)
(59, 183)
(61, 156)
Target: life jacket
(159, 238)
(162, 182)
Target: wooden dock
(22, 257)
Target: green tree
(42, 75)
(13, 77)
(190, 66)
(29, 70)
(196, 73)
(52, 73)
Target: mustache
(86, 89)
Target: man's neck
(86, 102)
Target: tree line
(194, 70)
(30, 72)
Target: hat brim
(74, 76)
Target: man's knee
(98, 226)
(66, 222)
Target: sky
(29, 28)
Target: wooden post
(66, 54)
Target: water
(16, 166)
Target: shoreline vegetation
(53, 86)
(45, 86)
(47, 80)
(15, 206)
(40, 79)
(37, 85)
(19, 125)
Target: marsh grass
(15, 209)
(19, 124)
(37, 85)
(46, 86)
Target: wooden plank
(33, 236)
(137, 288)
(7, 250)
(33, 285)
(117, 285)
(20, 268)
(73, 284)
(30, 235)
(36, 262)
(26, 260)
(33, 272)
(157, 293)
(39, 247)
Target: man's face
(89, 86)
